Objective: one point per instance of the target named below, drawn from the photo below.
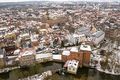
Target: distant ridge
(31, 1)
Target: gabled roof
(98, 34)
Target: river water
(82, 74)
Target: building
(81, 54)
(71, 39)
(76, 56)
(43, 57)
(74, 49)
(72, 66)
(2, 58)
(34, 39)
(73, 54)
(80, 37)
(83, 30)
(112, 33)
(57, 57)
(27, 57)
(97, 37)
(65, 53)
(57, 54)
(86, 50)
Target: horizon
(3, 1)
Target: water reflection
(4, 76)
(82, 74)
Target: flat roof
(67, 53)
(45, 55)
(85, 47)
(74, 49)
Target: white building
(80, 37)
(57, 57)
(72, 66)
(97, 37)
(43, 57)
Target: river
(82, 74)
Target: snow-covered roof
(3, 28)
(75, 35)
(119, 47)
(73, 63)
(23, 35)
(81, 35)
(1, 56)
(46, 55)
(67, 53)
(17, 51)
(1, 36)
(98, 34)
(74, 49)
(57, 57)
(27, 52)
(43, 29)
(85, 47)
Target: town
(75, 34)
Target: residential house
(56, 55)
(26, 57)
(2, 58)
(72, 66)
(34, 39)
(43, 57)
(80, 37)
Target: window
(69, 68)
(75, 64)
(73, 69)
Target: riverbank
(107, 72)
(82, 73)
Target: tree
(62, 43)
(15, 75)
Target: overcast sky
(55, 0)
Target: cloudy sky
(54, 0)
